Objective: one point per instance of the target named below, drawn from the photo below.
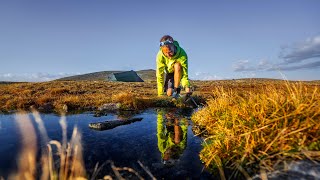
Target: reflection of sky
(70, 37)
(9, 143)
(124, 145)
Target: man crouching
(173, 61)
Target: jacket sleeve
(160, 74)
(161, 132)
(184, 79)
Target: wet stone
(110, 107)
(112, 124)
(303, 169)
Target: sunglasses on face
(165, 43)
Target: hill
(9, 82)
(146, 75)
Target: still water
(163, 142)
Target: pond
(163, 142)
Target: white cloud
(204, 76)
(302, 55)
(241, 65)
(33, 77)
(245, 75)
(246, 65)
(8, 75)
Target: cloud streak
(245, 65)
(312, 65)
(33, 77)
(204, 76)
(303, 55)
(302, 51)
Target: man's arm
(160, 73)
(184, 79)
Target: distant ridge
(146, 75)
(9, 82)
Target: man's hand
(188, 91)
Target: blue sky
(46, 39)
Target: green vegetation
(249, 128)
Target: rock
(303, 169)
(100, 113)
(89, 108)
(47, 107)
(112, 124)
(110, 107)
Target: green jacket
(165, 140)
(165, 65)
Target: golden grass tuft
(125, 98)
(252, 129)
(58, 91)
(27, 158)
(71, 164)
(128, 100)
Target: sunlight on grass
(53, 96)
(250, 130)
(69, 154)
(126, 99)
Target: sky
(231, 39)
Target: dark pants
(169, 81)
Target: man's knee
(169, 91)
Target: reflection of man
(172, 136)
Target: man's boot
(176, 93)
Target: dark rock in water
(112, 124)
(100, 113)
(110, 107)
(90, 108)
(46, 107)
(304, 169)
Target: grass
(80, 95)
(249, 124)
(54, 95)
(59, 160)
(259, 128)
(90, 95)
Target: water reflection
(163, 142)
(124, 115)
(172, 136)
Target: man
(173, 61)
